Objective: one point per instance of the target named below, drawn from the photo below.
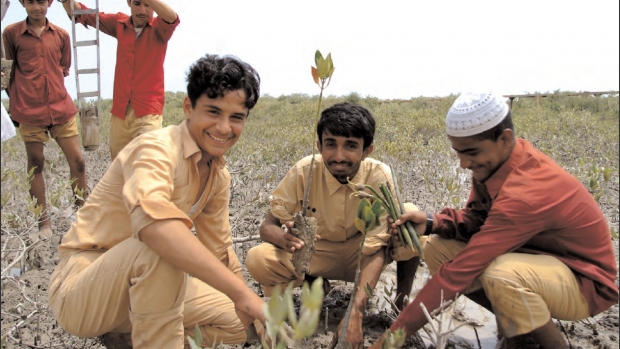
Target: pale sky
(386, 49)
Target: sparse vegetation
(579, 133)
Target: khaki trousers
(122, 131)
(129, 288)
(271, 265)
(525, 290)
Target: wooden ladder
(89, 112)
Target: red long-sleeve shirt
(37, 82)
(139, 72)
(530, 205)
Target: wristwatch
(429, 223)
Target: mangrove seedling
(305, 227)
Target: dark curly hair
(347, 120)
(214, 76)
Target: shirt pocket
(28, 60)
(323, 229)
(182, 197)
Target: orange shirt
(155, 177)
(37, 83)
(139, 72)
(330, 201)
(530, 205)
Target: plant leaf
(197, 335)
(368, 216)
(276, 308)
(330, 66)
(360, 225)
(315, 75)
(360, 207)
(318, 57)
(191, 342)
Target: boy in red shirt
(138, 96)
(531, 244)
(40, 103)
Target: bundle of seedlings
(305, 227)
(370, 211)
(386, 200)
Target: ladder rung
(89, 11)
(87, 71)
(85, 43)
(88, 94)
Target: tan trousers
(525, 290)
(131, 289)
(271, 265)
(123, 131)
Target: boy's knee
(409, 207)
(36, 161)
(433, 257)
(79, 164)
(257, 260)
(253, 259)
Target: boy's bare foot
(45, 232)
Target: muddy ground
(28, 321)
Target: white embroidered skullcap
(474, 113)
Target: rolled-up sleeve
(164, 29)
(107, 21)
(148, 170)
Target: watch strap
(429, 223)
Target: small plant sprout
(393, 340)
(34, 208)
(280, 307)
(194, 343)
(305, 227)
(367, 219)
(322, 75)
(277, 311)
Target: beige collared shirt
(155, 177)
(331, 202)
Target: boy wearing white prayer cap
(530, 245)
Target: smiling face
(141, 13)
(483, 157)
(342, 155)
(36, 9)
(215, 124)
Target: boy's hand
(418, 218)
(250, 308)
(288, 241)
